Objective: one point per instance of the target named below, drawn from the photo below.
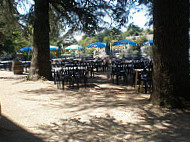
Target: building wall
(149, 37)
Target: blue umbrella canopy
(125, 42)
(73, 47)
(97, 45)
(54, 47)
(27, 48)
(148, 43)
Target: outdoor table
(136, 75)
(77, 59)
(71, 73)
(6, 64)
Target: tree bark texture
(40, 64)
(170, 53)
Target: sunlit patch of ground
(102, 111)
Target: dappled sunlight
(96, 129)
(102, 111)
(108, 128)
(119, 101)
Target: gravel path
(38, 111)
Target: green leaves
(89, 15)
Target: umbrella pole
(28, 54)
(110, 48)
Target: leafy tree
(106, 35)
(12, 34)
(148, 31)
(141, 40)
(132, 30)
(5, 27)
(86, 41)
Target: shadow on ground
(11, 132)
(169, 127)
(154, 124)
(100, 93)
(103, 96)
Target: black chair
(118, 70)
(145, 80)
(71, 74)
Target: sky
(139, 19)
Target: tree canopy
(63, 15)
(12, 34)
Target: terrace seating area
(132, 72)
(76, 72)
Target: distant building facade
(149, 37)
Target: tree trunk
(170, 53)
(40, 64)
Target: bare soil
(101, 112)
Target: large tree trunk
(40, 64)
(170, 53)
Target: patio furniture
(71, 73)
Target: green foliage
(89, 15)
(148, 50)
(136, 52)
(106, 35)
(134, 47)
(88, 40)
(64, 15)
(115, 35)
(148, 31)
(132, 30)
(12, 34)
(14, 41)
(89, 51)
(141, 40)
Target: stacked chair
(73, 72)
(70, 73)
(144, 79)
(121, 71)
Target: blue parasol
(148, 43)
(97, 45)
(125, 42)
(54, 47)
(73, 47)
(27, 48)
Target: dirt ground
(102, 112)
